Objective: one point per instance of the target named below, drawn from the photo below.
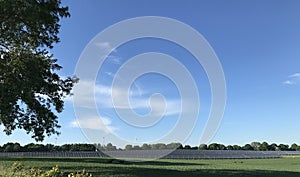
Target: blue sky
(257, 43)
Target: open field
(279, 167)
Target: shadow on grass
(154, 172)
(93, 160)
(147, 172)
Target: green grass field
(282, 167)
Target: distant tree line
(16, 147)
(254, 146)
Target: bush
(80, 174)
(17, 170)
(54, 172)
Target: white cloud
(105, 46)
(139, 102)
(173, 107)
(293, 79)
(114, 59)
(296, 75)
(288, 82)
(95, 123)
(85, 99)
(109, 74)
(138, 98)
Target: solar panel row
(177, 154)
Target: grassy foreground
(283, 167)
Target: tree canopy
(31, 92)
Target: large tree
(31, 91)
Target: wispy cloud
(95, 123)
(105, 46)
(110, 74)
(114, 59)
(288, 82)
(293, 79)
(295, 75)
(173, 107)
(85, 98)
(138, 98)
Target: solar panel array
(201, 154)
(153, 154)
(54, 154)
